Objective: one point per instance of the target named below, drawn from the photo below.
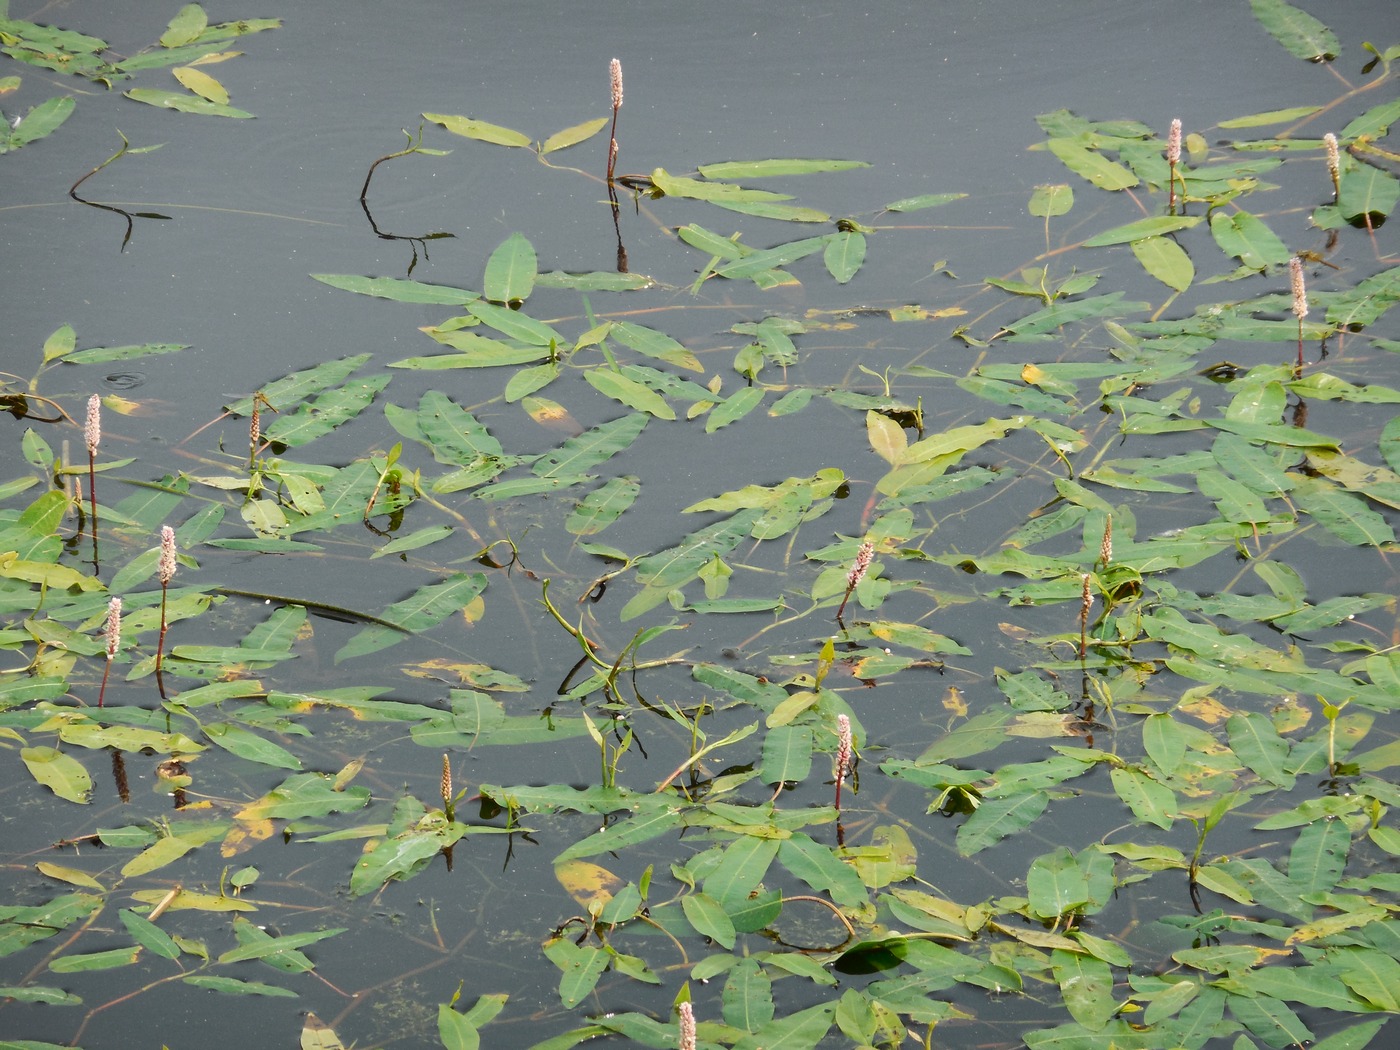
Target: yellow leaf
(243, 837)
(1032, 374)
(70, 875)
(202, 84)
(188, 900)
(317, 1035)
(550, 414)
(953, 701)
(587, 883)
(887, 437)
(217, 56)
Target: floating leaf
(397, 289)
(185, 103)
(601, 508)
(629, 392)
(1049, 201)
(845, 253)
(755, 169)
(1094, 167)
(572, 136)
(1154, 226)
(925, 200)
(1301, 33)
(479, 130)
(62, 774)
(510, 271)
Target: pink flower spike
(615, 70)
(166, 566)
(1174, 143)
(92, 428)
(113, 630)
(686, 1026)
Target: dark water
(937, 96)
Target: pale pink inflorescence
(843, 746)
(1300, 292)
(1334, 156)
(862, 565)
(92, 428)
(686, 1027)
(1174, 143)
(166, 566)
(113, 630)
(615, 69)
(1086, 601)
(1106, 546)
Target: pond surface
(567, 493)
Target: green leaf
(787, 754)
(1302, 34)
(709, 918)
(248, 745)
(425, 608)
(757, 169)
(654, 344)
(1049, 201)
(844, 254)
(1257, 744)
(510, 271)
(62, 774)
(292, 390)
(925, 200)
(234, 986)
(91, 961)
(1154, 226)
(581, 967)
(40, 122)
(592, 447)
(189, 22)
(1093, 166)
(515, 324)
(1165, 260)
(822, 870)
(273, 946)
(773, 258)
(1148, 799)
(629, 392)
(1247, 238)
(397, 289)
(185, 103)
(602, 507)
(1086, 984)
(149, 935)
(1344, 515)
(734, 408)
(1319, 855)
(479, 130)
(995, 819)
(572, 136)
(1367, 191)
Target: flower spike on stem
(165, 569)
(1086, 603)
(92, 436)
(843, 754)
(1173, 159)
(1300, 299)
(615, 75)
(857, 573)
(1334, 163)
(113, 635)
(685, 1025)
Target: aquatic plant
(1049, 848)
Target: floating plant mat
(1063, 716)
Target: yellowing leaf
(202, 84)
(954, 701)
(243, 837)
(589, 884)
(887, 437)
